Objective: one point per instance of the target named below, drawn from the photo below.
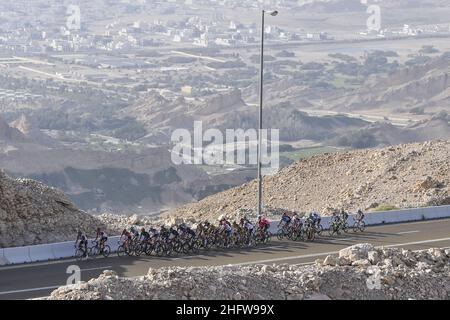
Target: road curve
(39, 279)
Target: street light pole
(261, 85)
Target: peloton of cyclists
(233, 232)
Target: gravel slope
(410, 175)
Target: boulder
(373, 256)
(356, 252)
(331, 260)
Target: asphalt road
(40, 279)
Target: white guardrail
(54, 251)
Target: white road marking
(48, 288)
(29, 290)
(342, 239)
(407, 232)
(410, 222)
(36, 264)
(416, 242)
(99, 268)
(271, 247)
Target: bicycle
(309, 230)
(80, 253)
(297, 232)
(285, 231)
(335, 228)
(95, 250)
(318, 228)
(123, 249)
(359, 225)
(344, 226)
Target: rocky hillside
(424, 86)
(385, 134)
(358, 272)
(33, 213)
(410, 175)
(9, 134)
(31, 131)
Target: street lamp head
(274, 13)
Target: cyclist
(164, 232)
(236, 226)
(285, 220)
(102, 237)
(144, 236)
(182, 229)
(238, 230)
(203, 228)
(248, 226)
(228, 229)
(296, 220)
(127, 238)
(315, 218)
(263, 223)
(334, 217)
(134, 233)
(173, 233)
(344, 216)
(185, 231)
(359, 216)
(190, 232)
(243, 221)
(81, 242)
(152, 231)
